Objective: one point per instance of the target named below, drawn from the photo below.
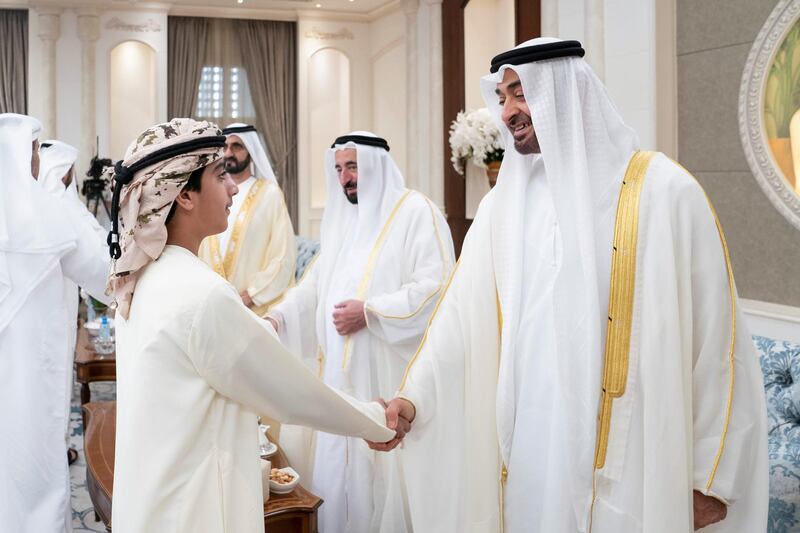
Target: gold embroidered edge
(373, 256)
(241, 222)
(732, 344)
(621, 293)
(428, 298)
(428, 327)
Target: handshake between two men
(400, 414)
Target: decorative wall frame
(753, 121)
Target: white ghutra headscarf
(33, 236)
(56, 159)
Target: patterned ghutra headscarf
(156, 167)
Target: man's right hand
(400, 413)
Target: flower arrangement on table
(474, 136)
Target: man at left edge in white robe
(41, 247)
(194, 364)
(57, 176)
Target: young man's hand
(273, 322)
(400, 414)
(246, 300)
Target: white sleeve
(240, 356)
(296, 316)
(402, 315)
(89, 262)
(728, 403)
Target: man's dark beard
(232, 166)
(351, 197)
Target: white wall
(132, 94)
(488, 30)
(629, 58)
(69, 71)
(482, 41)
(109, 38)
(389, 116)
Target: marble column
(88, 32)
(411, 8)
(49, 32)
(436, 96)
(595, 35)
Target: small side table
(295, 512)
(91, 366)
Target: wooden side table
(295, 512)
(100, 419)
(91, 366)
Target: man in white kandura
(385, 254)
(57, 176)
(194, 365)
(44, 246)
(256, 252)
(589, 352)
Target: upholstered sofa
(306, 250)
(780, 365)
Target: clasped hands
(400, 413)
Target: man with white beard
(588, 353)
(385, 254)
(41, 246)
(57, 176)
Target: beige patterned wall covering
(714, 38)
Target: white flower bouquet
(474, 135)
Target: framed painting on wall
(769, 109)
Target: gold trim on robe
(620, 301)
(223, 266)
(368, 271)
(732, 344)
(428, 327)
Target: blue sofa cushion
(780, 366)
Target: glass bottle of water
(104, 342)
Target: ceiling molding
(324, 15)
(288, 13)
(277, 10)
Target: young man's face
(516, 114)
(35, 160)
(347, 170)
(213, 201)
(237, 158)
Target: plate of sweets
(283, 480)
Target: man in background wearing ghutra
(356, 319)
(256, 252)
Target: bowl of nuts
(283, 480)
